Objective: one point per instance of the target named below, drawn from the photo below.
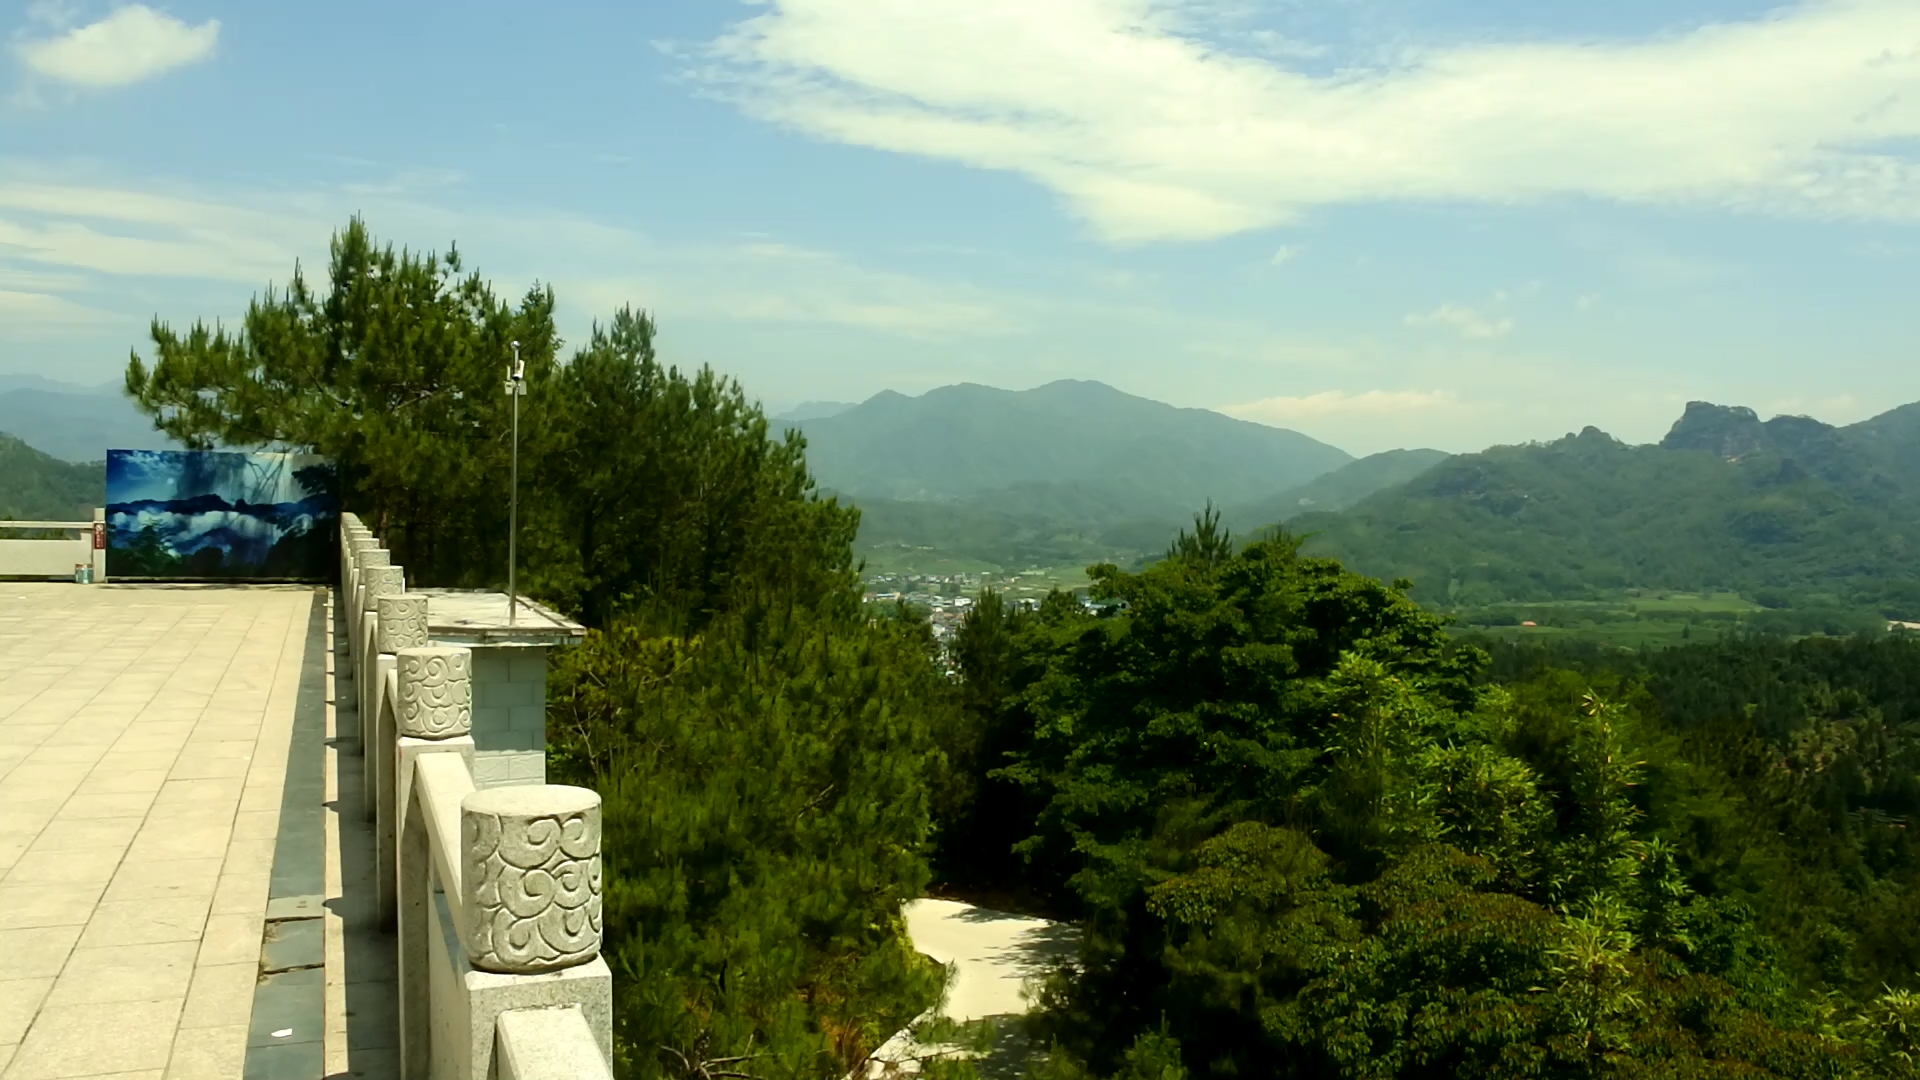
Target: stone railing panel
(547, 1044)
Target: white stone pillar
(375, 582)
(531, 874)
(350, 596)
(433, 711)
(530, 883)
(402, 623)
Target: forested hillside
(37, 487)
(1307, 835)
(1336, 490)
(1790, 511)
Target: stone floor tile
(67, 1041)
(27, 823)
(10, 851)
(193, 767)
(95, 976)
(87, 834)
(59, 869)
(39, 952)
(53, 753)
(242, 893)
(242, 854)
(222, 995)
(121, 761)
(19, 1001)
(144, 922)
(163, 840)
(142, 780)
(209, 1053)
(166, 746)
(231, 939)
(113, 805)
(165, 879)
(261, 796)
(24, 906)
(67, 774)
(256, 825)
(242, 733)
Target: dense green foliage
(1790, 512)
(640, 482)
(37, 487)
(767, 788)
(1307, 835)
(1016, 528)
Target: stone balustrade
(495, 893)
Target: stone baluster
(531, 877)
(375, 582)
(530, 896)
(357, 556)
(433, 714)
(402, 624)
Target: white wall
(509, 715)
(44, 558)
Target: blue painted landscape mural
(219, 515)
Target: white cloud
(75, 233)
(1284, 254)
(33, 307)
(1151, 132)
(1464, 321)
(1338, 404)
(132, 44)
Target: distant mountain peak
(1735, 431)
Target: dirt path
(993, 953)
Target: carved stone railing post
(401, 624)
(532, 878)
(375, 582)
(358, 558)
(370, 560)
(433, 714)
(530, 882)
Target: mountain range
(39, 487)
(1789, 511)
(1066, 473)
(1084, 440)
(72, 422)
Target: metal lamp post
(516, 389)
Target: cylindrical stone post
(375, 582)
(530, 872)
(436, 693)
(403, 621)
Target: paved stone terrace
(144, 734)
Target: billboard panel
(221, 515)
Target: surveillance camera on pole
(516, 389)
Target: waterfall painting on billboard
(220, 515)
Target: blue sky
(1380, 222)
